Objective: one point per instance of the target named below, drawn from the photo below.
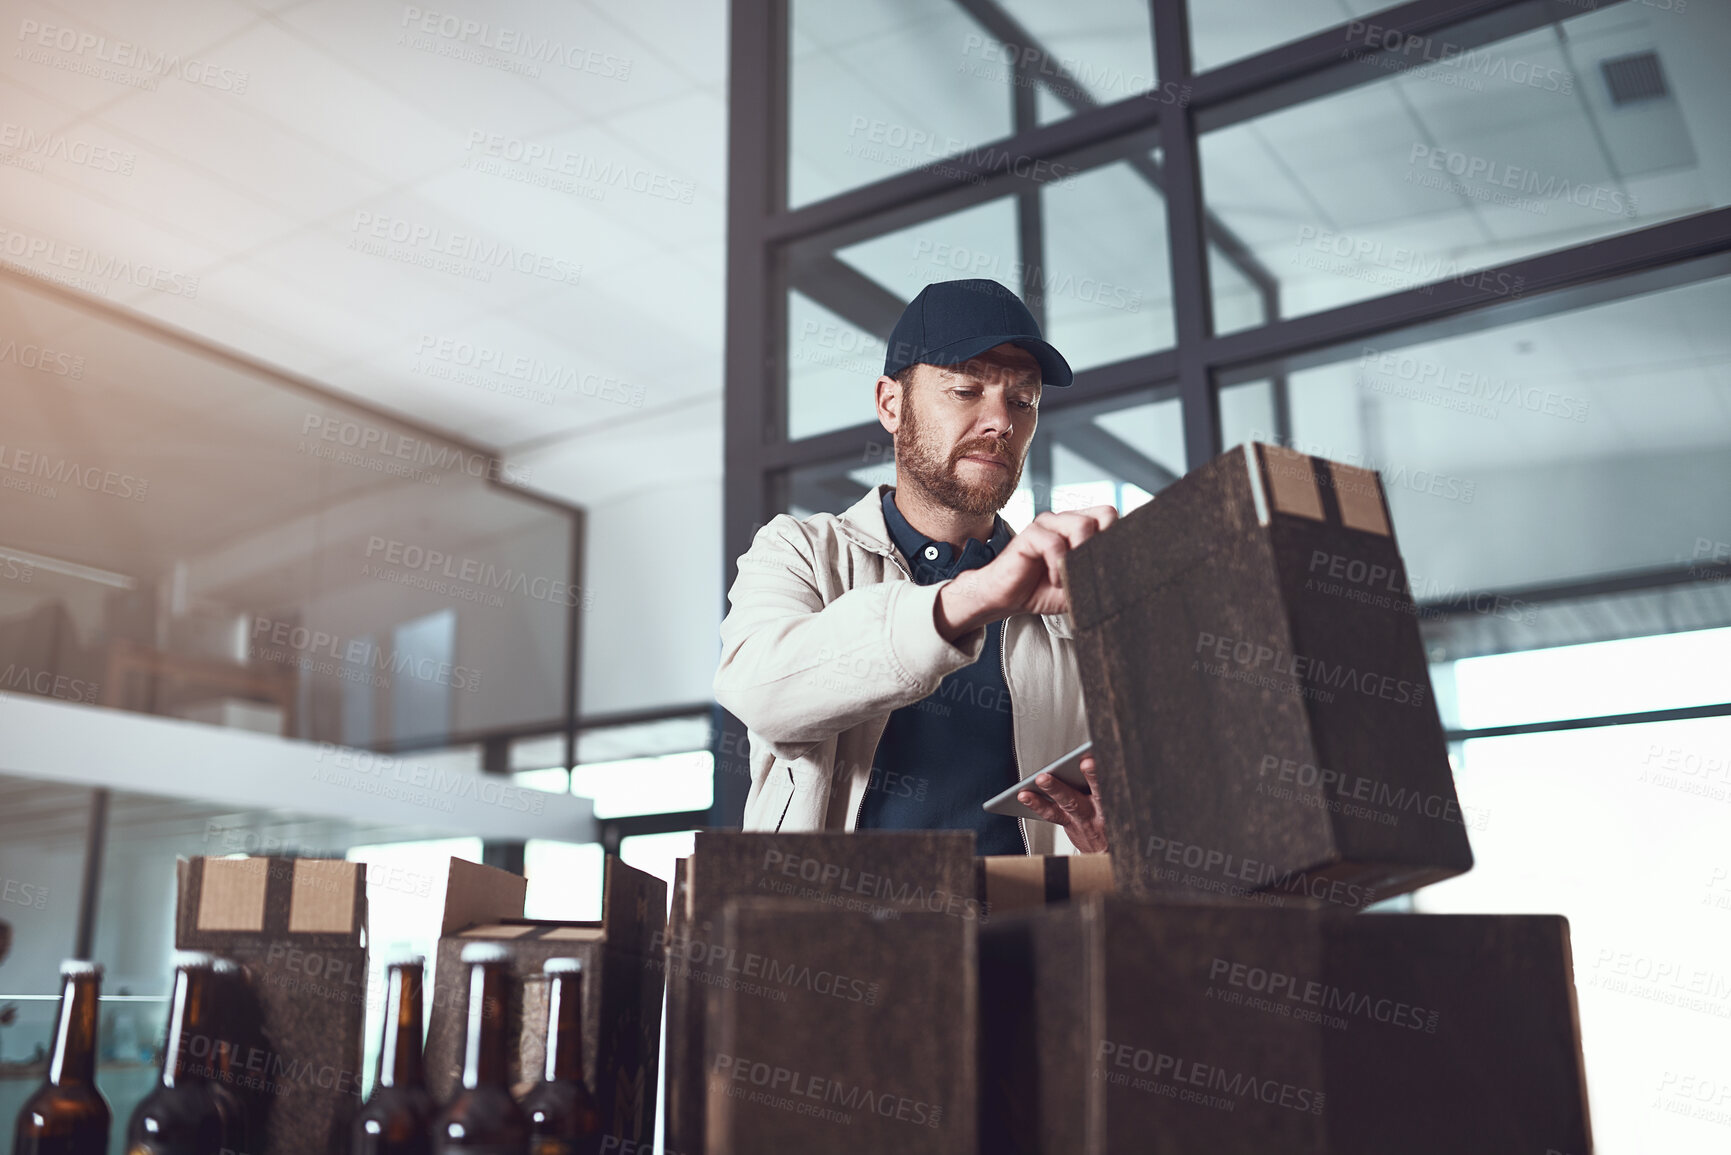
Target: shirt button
(931, 553)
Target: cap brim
(1054, 370)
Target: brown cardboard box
(1258, 692)
(844, 1032)
(1012, 882)
(929, 871)
(622, 987)
(293, 1030)
(1121, 1025)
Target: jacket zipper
(1015, 758)
(860, 807)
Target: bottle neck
(183, 1017)
(74, 1058)
(400, 1063)
(565, 1028)
(484, 1056)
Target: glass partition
(877, 88)
(184, 534)
(1555, 449)
(1597, 124)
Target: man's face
(962, 431)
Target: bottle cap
(406, 958)
(562, 966)
(79, 967)
(485, 952)
(194, 960)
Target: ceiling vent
(1634, 78)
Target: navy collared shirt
(943, 756)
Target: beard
(920, 460)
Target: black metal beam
(754, 357)
(1192, 298)
(1035, 63)
(848, 293)
(1639, 718)
(1610, 269)
(1633, 581)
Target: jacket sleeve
(797, 671)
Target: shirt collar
(918, 549)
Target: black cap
(951, 321)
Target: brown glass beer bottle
(180, 1117)
(397, 1117)
(482, 1118)
(226, 990)
(563, 1119)
(67, 1115)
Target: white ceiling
(321, 120)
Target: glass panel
(1222, 31)
(1595, 680)
(1101, 280)
(834, 362)
(186, 537)
(1620, 830)
(882, 86)
(1524, 146)
(831, 369)
(1105, 285)
(670, 783)
(1559, 448)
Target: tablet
(1067, 770)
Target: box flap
(475, 894)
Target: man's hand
(1080, 814)
(1027, 578)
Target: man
(898, 665)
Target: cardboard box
(1120, 1025)
(292, 1033)
(1258, 692)
(1012, 882)
(622, 987)
(846, 1032)
(930, 871)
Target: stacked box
(846, 1032)
(1122, 1025)
(1258, 692)
(929, 871)
(290, 1032)
(622, 988)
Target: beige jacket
(828, 633)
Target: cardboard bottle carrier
(291, 1031)
(911, 872)
(1258, 692)
(1118, 1025)
(622, 988)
